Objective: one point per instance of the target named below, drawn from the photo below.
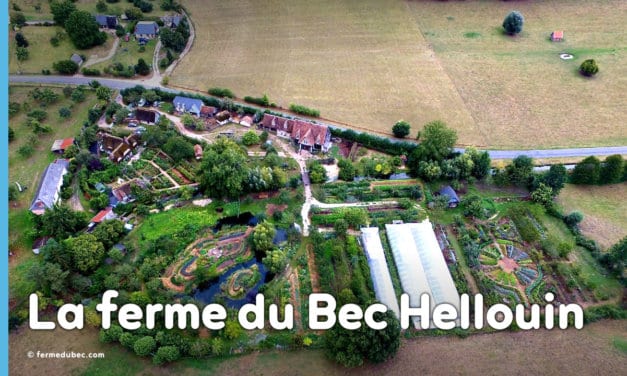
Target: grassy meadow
(370, 63)
(28, 171)
(41, 52)
(604, 209)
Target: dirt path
(75, 201)
(313, 272)
(95, 61)
(176, 185)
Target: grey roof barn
(185, 104)
(48, 192)
(107, 21)
(453, 200)
(77, 59)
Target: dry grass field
(589, 351)
(604, 209)
(370, 63)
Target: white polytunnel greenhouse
(421, 265)
(379, 272)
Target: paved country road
(494, 154)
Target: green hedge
(304, 110)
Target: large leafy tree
(179, 149)
(520, 171)
(83, 30)
(612, 169)
(109, 232)
(589, 68)
(587, 171)
(275, 260)
(513, 23)
(87, 252)
(555, 178)
(50, 278)
(352, 347)
(401, 129)
(60, 222)
(262, 237)
(616, 258)
(223, 170)
(481, 160)
(61, 11)
(436, 141)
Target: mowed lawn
(42, 54)
(128, 54)
(370, 63)
(604, 209)
(364, 63)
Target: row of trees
(592, 171)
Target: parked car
(132, 124)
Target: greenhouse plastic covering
(421, 265)
(379, 272)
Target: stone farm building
(187, 105)
(172, 21)
(146, 116)
(106, 21)
(117, 147)
(307, 135)
(48, 191)
(146, 30)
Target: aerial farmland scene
(279, 187)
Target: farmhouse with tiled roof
(305, 134)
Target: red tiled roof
(101, 215)
(62, 144)
(207, 110)
(303, 131)
(67, 143)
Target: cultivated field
(370, 63)
(604, 209)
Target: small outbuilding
(106, 21)
(59, 146)
(198, 151)
(557, 36)
(453, 199)
(77, 59)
